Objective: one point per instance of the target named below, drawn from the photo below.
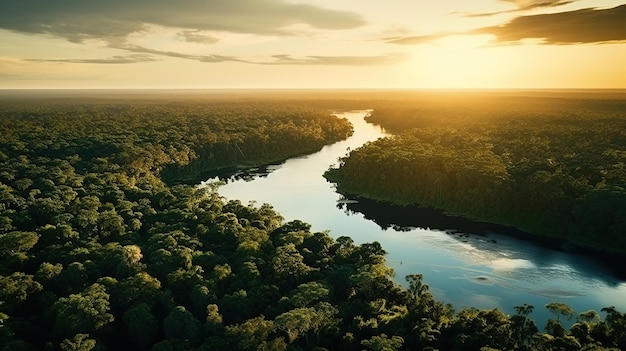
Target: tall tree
(86, 312)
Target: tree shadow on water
(608, 268)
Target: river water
(485, 271)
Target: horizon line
(315, 89)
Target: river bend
(467, 270)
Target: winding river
(485, 271)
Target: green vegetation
(98, 252)
(552, 166)
(172, 138)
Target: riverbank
(551, 167)
(242, 170)
(517, 271)
(408, 217)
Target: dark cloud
(113, 21)
(573, 27)
(78, 20)
(589, 25)
(195, 36)
(523, 5)
(533, 4)
(201, 58)
(337, 60)
(280, 59)
(143, 54)
(112, 60)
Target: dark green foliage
(181, 324)
(141, 326)
(250, 334)
(80, 342)
(86, 312)
(97, 252)
(383, 343)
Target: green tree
(250, 334)
(236, 307)
(288, 264)
(383, 343)
(308, 294)
(130, 260)
(141, 325)
(296, 322)
(182, 325)
(86, 312)
(616, 321)
(201, 297)
(18, 287)
(213, 314)
(80, 342)
(15, 245)
(141, 287)
(417, 287)
(560, 309)
(222, 271)
(16, 241)
(300, 321)
(74, 276)
(523, 328)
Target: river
(485, 271)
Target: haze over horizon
(282, 44)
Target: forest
(550, 166)
(103, 245)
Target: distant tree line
(97, 252)
(550, 166)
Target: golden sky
(369, 44)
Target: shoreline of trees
(550, 167)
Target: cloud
(279, 59)
(532, 4)
(196, 36)
(523, 5)
(143, 54)
(284, 59)
(79, 20)
(202, 58)
(417, 39)
(116, 24)
(12, 69)
(112, 60)
(589, 25)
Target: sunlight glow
(322, 44)
(460, 62)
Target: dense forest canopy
(552, 166)
(98, 252)
(154, 136)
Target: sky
(281, 44)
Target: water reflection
(247, 175)
(492, 243)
